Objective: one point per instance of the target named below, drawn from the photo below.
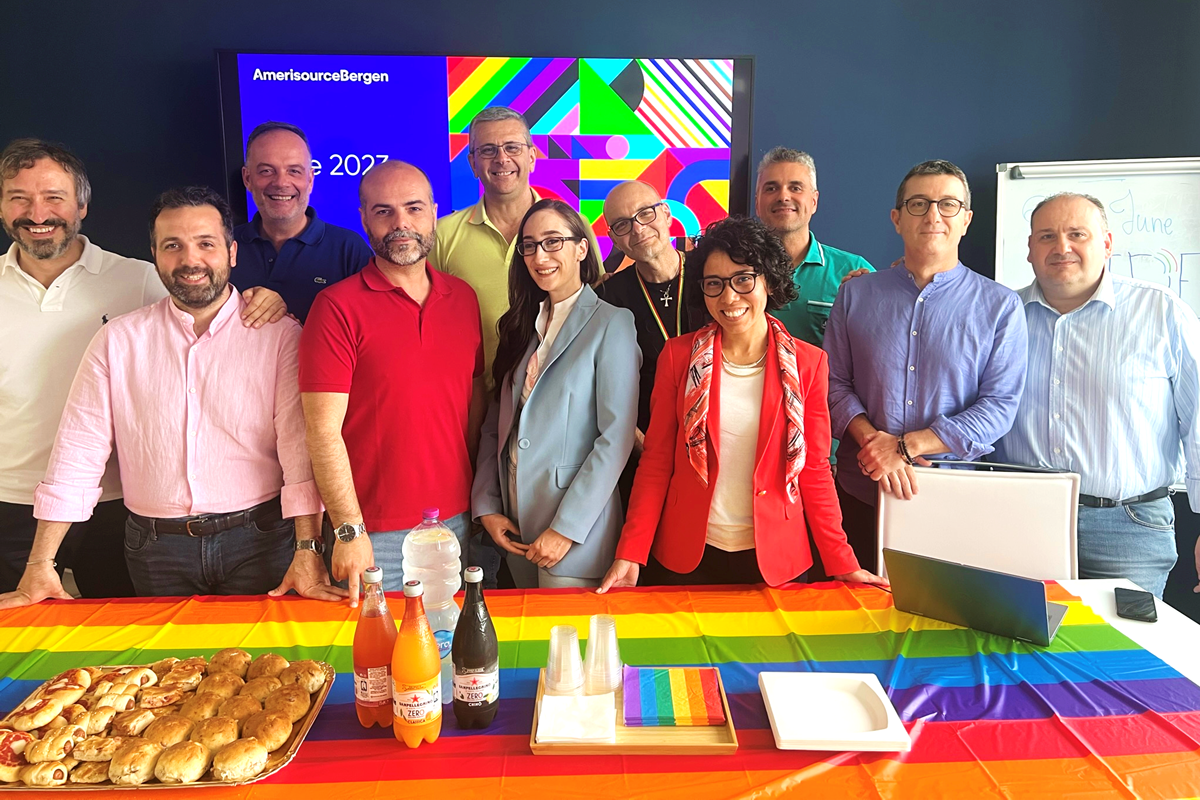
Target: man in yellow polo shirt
(476, 243)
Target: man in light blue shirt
(1111, 393)
(925, 359)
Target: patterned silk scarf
(699, 381)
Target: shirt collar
(91, 258)
(229, 309)
(940, 279)
(1105, 293)
(479, 215)
(312, 234)
(376, 281)
(815, 253)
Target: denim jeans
(389, 554)
(1135, 542)
(249, 559)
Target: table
(1093, 715)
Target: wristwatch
(316, 545)
(347, 532)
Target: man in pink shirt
(206, 419)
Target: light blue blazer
(576, 432)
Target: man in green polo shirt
(477, 243)
(785, 199)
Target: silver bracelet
(53, 563)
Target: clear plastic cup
(602, 666)
(564, 670)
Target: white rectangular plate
(831, 711)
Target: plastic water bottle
(431, 556)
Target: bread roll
(163, 666)
(269, 664)
(97, 721)
(93, 674)
(232, 659)
(12, 754)
(261, 688)
(203, 706)
(240, 761)
(142, 676)
(308, 674)
(117, 700)
(291, 701)
(215, 733)
(89, 772)
(199, 662)
(226, 684)
(133, 763)
(183, 677)
(81, 676)
(74, 712)
(240, 707)
(269, 727)
(98, 748)
(183, 762)
(159, 696)
(112, 675)
(65, 693)
(34, 714)
(101, 688)
(132, 722)
(49, 773)
(57, 745)
(169, 730)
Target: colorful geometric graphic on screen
(599, 121)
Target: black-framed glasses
(644, 216)
(512, 149)
(947, 206)
(742, 283)
(551, 244)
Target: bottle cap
(372, 575)
(474, 575)
(431, 512)
(413, 589)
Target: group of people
(678, 421)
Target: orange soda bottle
(374, 643)
(416, 674)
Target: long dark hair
(524, 296)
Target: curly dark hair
(746, 241)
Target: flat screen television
(681, 124)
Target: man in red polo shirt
(391, 375)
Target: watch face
(348, 532)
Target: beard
(403, 255)
(199, 295)
(44, 249)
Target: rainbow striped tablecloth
(1092, 716)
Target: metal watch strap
(315, 545)
(358, 529)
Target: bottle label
(417, 703)
(444, 640)
(477, 687)
(373, 686)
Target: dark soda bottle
(476, 657)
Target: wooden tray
(275, 761)
(713, 740)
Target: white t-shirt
(731, 515)
(44, 333)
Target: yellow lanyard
(654, 308)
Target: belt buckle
(188, 526)
(1107, 503)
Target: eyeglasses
(742, 283)
(513, 149)
(947, 206)
(551, 245)
(645, 216)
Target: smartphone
(1136, 604)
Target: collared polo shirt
(470, 247)
(45, 333)
(320, 256)
(818, 277)
(408, 371)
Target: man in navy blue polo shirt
(287, 247)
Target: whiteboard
(1153, 208)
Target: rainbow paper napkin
(672, 696)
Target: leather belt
(208, 524)
(1103, 502)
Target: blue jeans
(249, 559)
(1135, 542)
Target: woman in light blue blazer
(561, 425)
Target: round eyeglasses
(512, 149)
(550, 244)
(947, 206)
(644, 217)
(742, 283)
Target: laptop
(994, 602)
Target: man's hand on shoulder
(262, 306)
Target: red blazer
(669, 506)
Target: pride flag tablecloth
(1093, 715)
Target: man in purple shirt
(926, 360)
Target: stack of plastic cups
(564, 671)
(602, 667)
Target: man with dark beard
(205, 416)
(56, 290)
(391, 374)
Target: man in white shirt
(56, 290)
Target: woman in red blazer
(736, 458)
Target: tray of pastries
(223, 721)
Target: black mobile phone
(1136, 604)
